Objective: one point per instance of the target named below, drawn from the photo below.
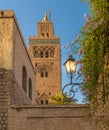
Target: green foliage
(60, 99)
(93, 42)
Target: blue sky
(67, 15)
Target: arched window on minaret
(42, 34)
(41, 54)
(46, 54)
(24, 79)
(46, 74)
(42, 74)
(35, 54)
(47, 34)
(52, 53)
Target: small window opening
(36, 65)
(46, 54)
(46, 101)
(35, 54)
(24, 79)
(41, 101)
(52, 54)
(30, 89)
(41, 74)
(42, 34)
(38, 94)
(41, 54)
(46, 74)
(47, 35)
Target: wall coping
(51, 106)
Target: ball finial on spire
(45, 17)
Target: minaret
(45, 54)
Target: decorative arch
(46, 54)
(52, 53)
(41, 54)
(35, 54)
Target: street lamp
(70, 66)
(70, 89)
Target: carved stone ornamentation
(40, 66)
(43, 52)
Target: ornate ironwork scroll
(69, 92)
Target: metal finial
(45, 17)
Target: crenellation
(6, 13)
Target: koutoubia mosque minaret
(45, 54)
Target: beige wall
(49, 117)
(6, 43)
(21, 58)
(14, 55)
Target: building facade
(44, 50)
(15, 58)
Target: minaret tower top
(45, 28)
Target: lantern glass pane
(70, 66)
(67, 67)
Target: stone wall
(3, 119)
(49, 117)
(52, 83)
(13, 56)
(6, 46)
(5, 85)
(21, 58)
(18, 95)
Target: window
(35, 54)
(30, 89)
(41, 74)
(46, 54)
(46, 74)
(24, 79)
(41, 101)
(35, 64)
(41, 54)
(42, 34)
(38, 94)
(46, 101)
(47, 35)
(52, 53)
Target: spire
(45, 17)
